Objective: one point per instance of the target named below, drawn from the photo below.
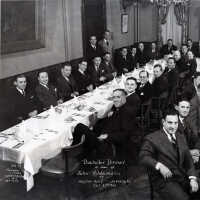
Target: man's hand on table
(102, 78)
(125, 70)
(33, 113)
(103, 137)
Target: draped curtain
(172, 29)
(172, 22)
(162, 16)
(181, 13)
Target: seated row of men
(126, 60)
(87, 78)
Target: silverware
(18, 145)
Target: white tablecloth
(47, 133)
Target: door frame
(84, 39)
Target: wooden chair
(65, 164)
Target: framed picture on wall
(22, 26)
(124, 23)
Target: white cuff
(158, 165)
(193, 177)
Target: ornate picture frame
(29, 32)
(124, 23)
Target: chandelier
(168, 2)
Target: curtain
(180, 11)
(162, 18)
(172, 29)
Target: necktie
(173, 140)
(23, 92)
(107, 43)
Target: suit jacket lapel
(167, 147)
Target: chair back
(72, 156)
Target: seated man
(133, 100)
(168, 48)
(46, 93)
(95, 70)
(171, 74)
(191, 46)
(22, 102)
(144, 89)
(153, 53)
(67, 87)
(141, 54)
(108, 71)
(184, 127)
(82, 78)
(123, 62)
(115, 129)
(193, 89)
(160, 83)
(166, 154)
(194, 114)
(133, 58)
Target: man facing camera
(22, 101)
(185, 128)
(115, 128)
(67, 87)
(160, 83)
(46, 93)
(108, 71)
(123, 62)
(133, 99)
(144, 89)
(166, 154)
(82, 78)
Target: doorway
(93, 20)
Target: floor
(137, 187)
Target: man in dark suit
(108, 70)
(144, 89)
(141, 54)
(133, 58)
(46, 93)
(93, 50)
(192, 89)
(185, 128)
(95, 72)
(168, 48)
(166, 154)
(132, 99)
(191, 46)
(22, 101)
(180, 63)
(153, 53)
(67, 87)
(123, 62)
(116, 128)
(194, 114)
(82, 78)
(171, 74)
(160, 83)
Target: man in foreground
(166, 154)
